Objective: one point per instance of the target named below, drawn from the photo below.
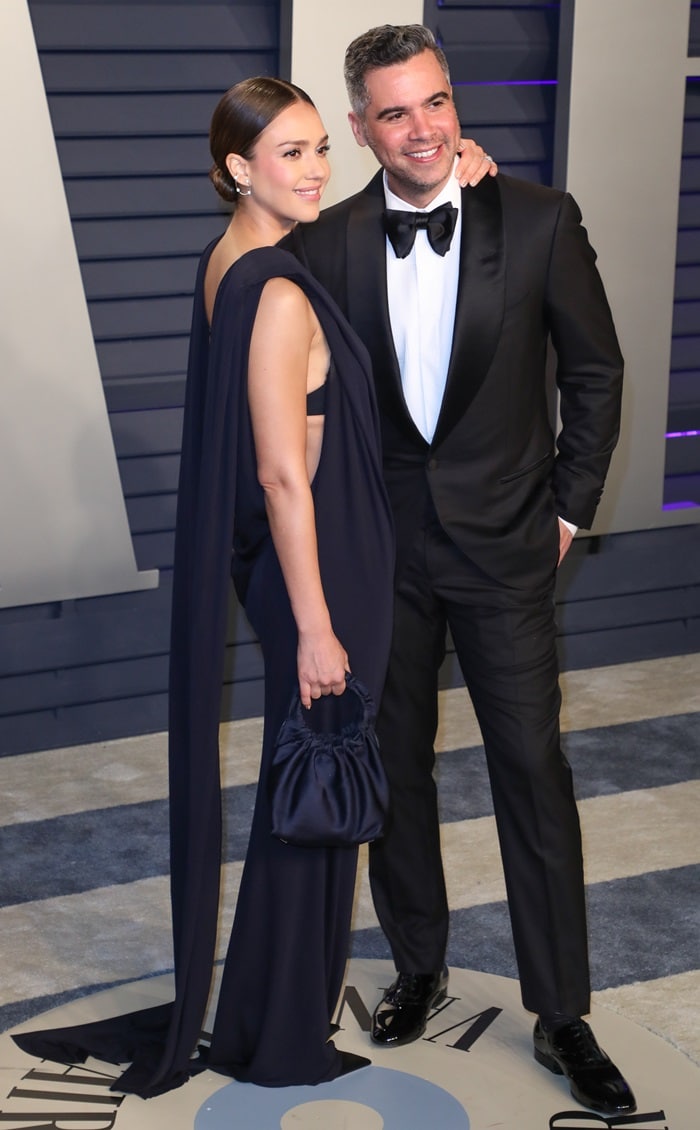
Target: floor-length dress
(289, 941)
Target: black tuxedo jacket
(496, 475)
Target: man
(485, 506)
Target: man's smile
(425, 154)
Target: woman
(280, 460)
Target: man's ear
(358, 128)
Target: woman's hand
(473, 164)
(322, 663)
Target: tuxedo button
(432, 464)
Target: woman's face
(289, 167)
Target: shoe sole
(548, 1062)
(552, 1065)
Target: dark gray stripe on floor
(605, 760)
(640, 929)
(87, 850)
(99, 848)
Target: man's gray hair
(382, 47)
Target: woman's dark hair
(241, 115)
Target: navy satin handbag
(327, 786)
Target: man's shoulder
(528, 192)
(525, 204)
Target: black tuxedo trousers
(505, 643)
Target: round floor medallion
(472, 1070)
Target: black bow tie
(401, 228)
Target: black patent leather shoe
(402, 1014)
(594, 1081)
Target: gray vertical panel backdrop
(131, 87)
(683, 449)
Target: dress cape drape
(159, 1042)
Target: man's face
(411, 126)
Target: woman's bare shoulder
(283, 299)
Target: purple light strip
(682, 435)
(680, 506)
(514, 82)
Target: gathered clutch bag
(328, 787)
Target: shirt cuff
(569, 525)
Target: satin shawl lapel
(368, 307)
(480, 302)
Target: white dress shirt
(422, 292)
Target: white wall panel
(321, 31)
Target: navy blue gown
(289, 942)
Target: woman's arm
(281, 343)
